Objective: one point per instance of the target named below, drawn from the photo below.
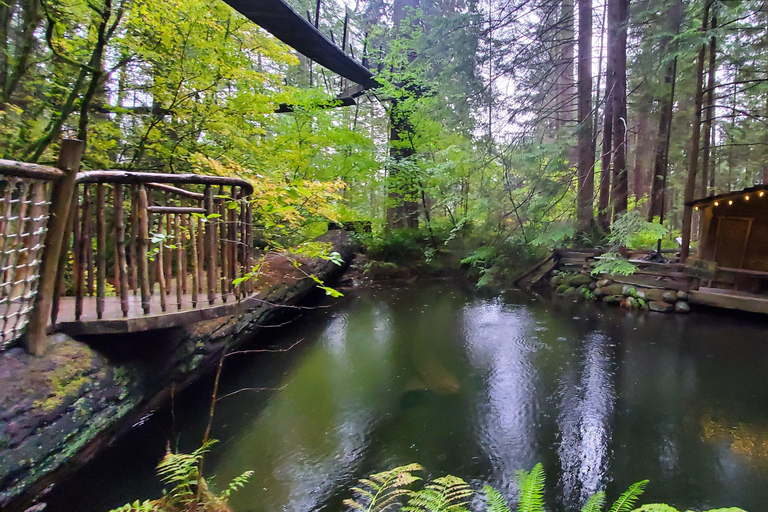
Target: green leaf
(595, 503)
(628, 499)
(495, 501)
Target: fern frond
(531, 489)
(656, 507)
(445, 494)
(595, 503)
(136, 506)
(495, 501)
(627, 500)
(237, 483)
(383, 490)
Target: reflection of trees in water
(311, 436)
(585, 422)
(500, 345)
(745, 439)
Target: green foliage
(628, 498)
(189, 492)
(382, 491)
(531, 489)
(494, 500)
(444, 494)
(595, 503)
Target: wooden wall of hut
(735, 233)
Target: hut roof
(760, 190)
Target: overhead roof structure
(279, 19)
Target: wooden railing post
(61, 203)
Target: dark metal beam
(280, 20)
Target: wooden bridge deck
(113, 321)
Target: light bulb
(717, 204)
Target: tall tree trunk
(30, 20)
(566, 100)
(693, 166)
(710, 106)
(604, 201)
(667, 105)
(6, 13)
(403, 208)
(620, 179)
(586, 172)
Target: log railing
(25, 201)
(106, 245)
(149, 243)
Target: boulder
(579, 280)
(670, 296)
(556, 281)
(600, 292)
(682, 296)
(572, 292)
(562, 288)
(593, 286)
(614, 289)
(613, 299)
(640, 293)
(682, 307)
(628, 290)
(660, 306)
(604, 282)
(655, 294)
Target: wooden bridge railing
(80, 247)
(148, 243)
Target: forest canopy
(513, 123)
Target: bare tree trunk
(6, 13)
(705, 159)
(667, 105)
(30, 19)
(620, 180)
(586, 166)
(693, 166)
(604, 201)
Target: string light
(717, 204)
(696, 208)
(730, 203)
(761, 193)
(746, 198)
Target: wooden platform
(730, 299)
(113, 321)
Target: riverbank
(58, 410)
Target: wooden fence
(96, 246)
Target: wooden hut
(734, 229)
(734, 238)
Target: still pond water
(474, 387)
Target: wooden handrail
(135, 178)
(30, 171)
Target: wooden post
(210, 235)
(63, 258)
(101, 251)
(61, 202)
(195, 261)
(134, 238)
(120, 260)
(317, 14)
(344, 37)
(160, 260)
(142, 260)
(223, 245)
(80, 246)
(181, 279)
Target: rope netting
(24, 205)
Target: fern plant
(531, 489)
(383, 491)
(494, 500)
(189, 492)
(444, 494)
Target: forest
(510, 124)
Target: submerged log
(58, 410)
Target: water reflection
(478, 388)
(585, 423)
